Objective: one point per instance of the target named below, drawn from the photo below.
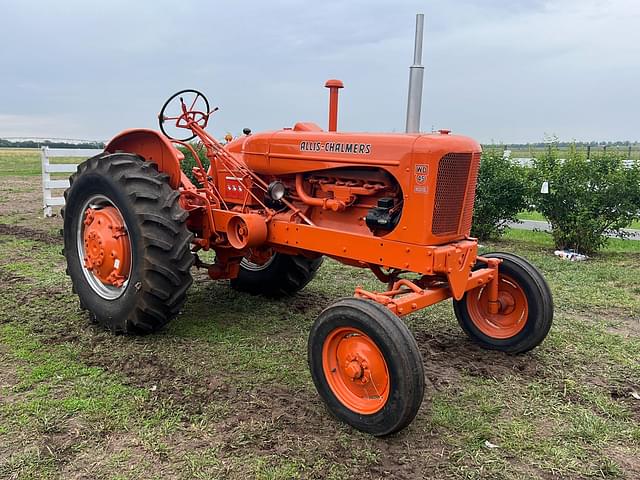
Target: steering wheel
(182, 110)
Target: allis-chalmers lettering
(335, 147)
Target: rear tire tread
(166, 259)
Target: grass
(614, 245)
(531, 216)
(19, 162)
(224, 391)
(27, 162)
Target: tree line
(4, 143)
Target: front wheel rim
(512, 314)
(104, 247)
(356, 370)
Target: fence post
(588, 152)
(49, 185)
(46, 176)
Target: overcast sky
(497, 70)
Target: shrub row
(587, 198)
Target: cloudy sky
(497, 70)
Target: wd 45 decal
(420, 178)
(336, 147)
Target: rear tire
(366, 366)
(160, 255)
(282, 275)
(525, 322)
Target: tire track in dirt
(30, 233)
(9, 279)
(448, 357)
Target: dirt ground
(229, 418)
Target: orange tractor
(271, 205)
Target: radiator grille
(467, 213)
(453, 210)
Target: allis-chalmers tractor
(271, 205)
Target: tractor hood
(305, 148)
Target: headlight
(276, 190)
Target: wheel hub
(507, 303)
(356, 370)
(512, 312)
(353, 370)
(107, 250)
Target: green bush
(500, 195)
(587, 198)
(189, 162)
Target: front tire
(366, 366)
(135, 203)
(526, 308)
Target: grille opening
(455, 192)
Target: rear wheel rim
(256, 267)
(104, 247)
(512, 314)
(356, 370)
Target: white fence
(48, 185)
(528, 162)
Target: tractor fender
(153, 147)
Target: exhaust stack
(416, 77)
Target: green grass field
(224, 391)
(20, 162)
(26, 161)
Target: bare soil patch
(621, 321)
(21, 204)
(8, 376)
(11, 282)
(19, 194)
(447, 357)
(628, 460)
(30, 233)
(8, 279)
